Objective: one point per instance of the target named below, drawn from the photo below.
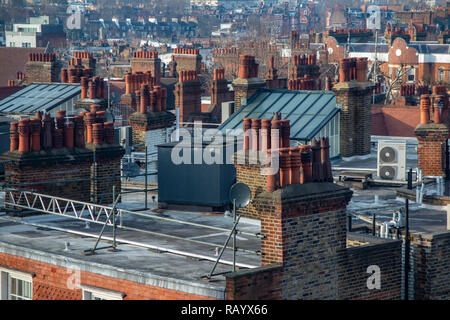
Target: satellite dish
(241, 193)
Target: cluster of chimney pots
(304, 84)
(297, 165)
(218, 74)
(145, 55)
(410, 89)
(186, 51)
(225, 51)
(134, 81)
(187, 75)
(41, 57)
(304, 60)
(353, 69)
(46, 132)
(434, 108)
(248, 67)
(152, 98)
(395, 30)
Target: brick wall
(353, 264)
(50, 283)
(431, 258)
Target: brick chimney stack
(354, 93)
(248, 82)
(187, 59)
(302, 214)
(144, 61)
(219, 91)
(42, 67)
(188, 93)
(271, 77)
(432, 136)
(305, 64)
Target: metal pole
(447, 161)
(223, 249)
(407, 246)
(374, 225)
(146, 182)
(407, 243)
(114, 218)
(234, 235)
(94, 176)
(375, 76)
(109, 86)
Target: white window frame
(5, 281)
(90, 293)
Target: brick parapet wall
(51, 282)
(255, 284)
(431, 258)
(353, 263)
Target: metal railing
(106, 216)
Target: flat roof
(39, 97)
(143, 257)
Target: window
(411, 74)
(94, 293)
(15, 285)
(440, 75)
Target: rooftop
(39, 97)
(144, 256)
(308, 111)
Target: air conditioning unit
(392, 160)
